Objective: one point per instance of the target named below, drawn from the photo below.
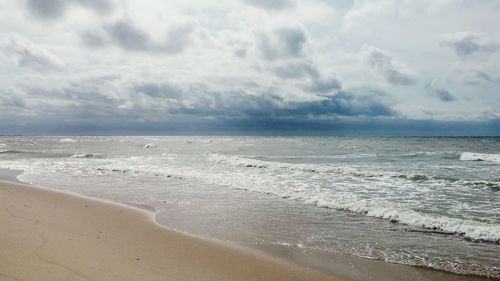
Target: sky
(362, 67)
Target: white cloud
(54, 9)
(276, 57)
(271, 4)
(284, 42)
(393, 72)
(467, 44)
(29, 54)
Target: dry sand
(49, 235)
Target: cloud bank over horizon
(164, 66)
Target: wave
(29, 153)
(349, 201)
(423, 153)
(313, 168)
(472, 156)
(495, 185)
(298, 157)
(452, 180)
(442, 154)
(445, 154)
(470, 230)
(10, 151)
(343, 170)
(86, 155)
(276, 185)
(345, 201)
(68, 140)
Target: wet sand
(50, 235)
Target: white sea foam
(269, 178)
(84, 155)
(313, 168)
(338, 169)
(426, 189)
(467, 228)
(340, 156)
(347, 199)
(425, 153)
(386, 210)
(68, 140)
(471, 156)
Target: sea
(425, 202)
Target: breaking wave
(313, 168)
(343, 170)
(471, 156)
(86, 155)
(68, 140)
(296, 189)
(10, 151)
(342, 200)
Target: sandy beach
(49, 235)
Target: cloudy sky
(322, 66)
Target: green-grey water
(432, 202)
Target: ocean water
(431, 202)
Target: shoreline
(329, 265)
(52, 235)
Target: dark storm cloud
(466, 44)
(95, 106)
(199, 101)
(238, 104)
(343, 104)
(271, 4)
(53, 9)
(281, 43)
(117, 100)
(130, 37)
(383, 63)
(333, 100)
